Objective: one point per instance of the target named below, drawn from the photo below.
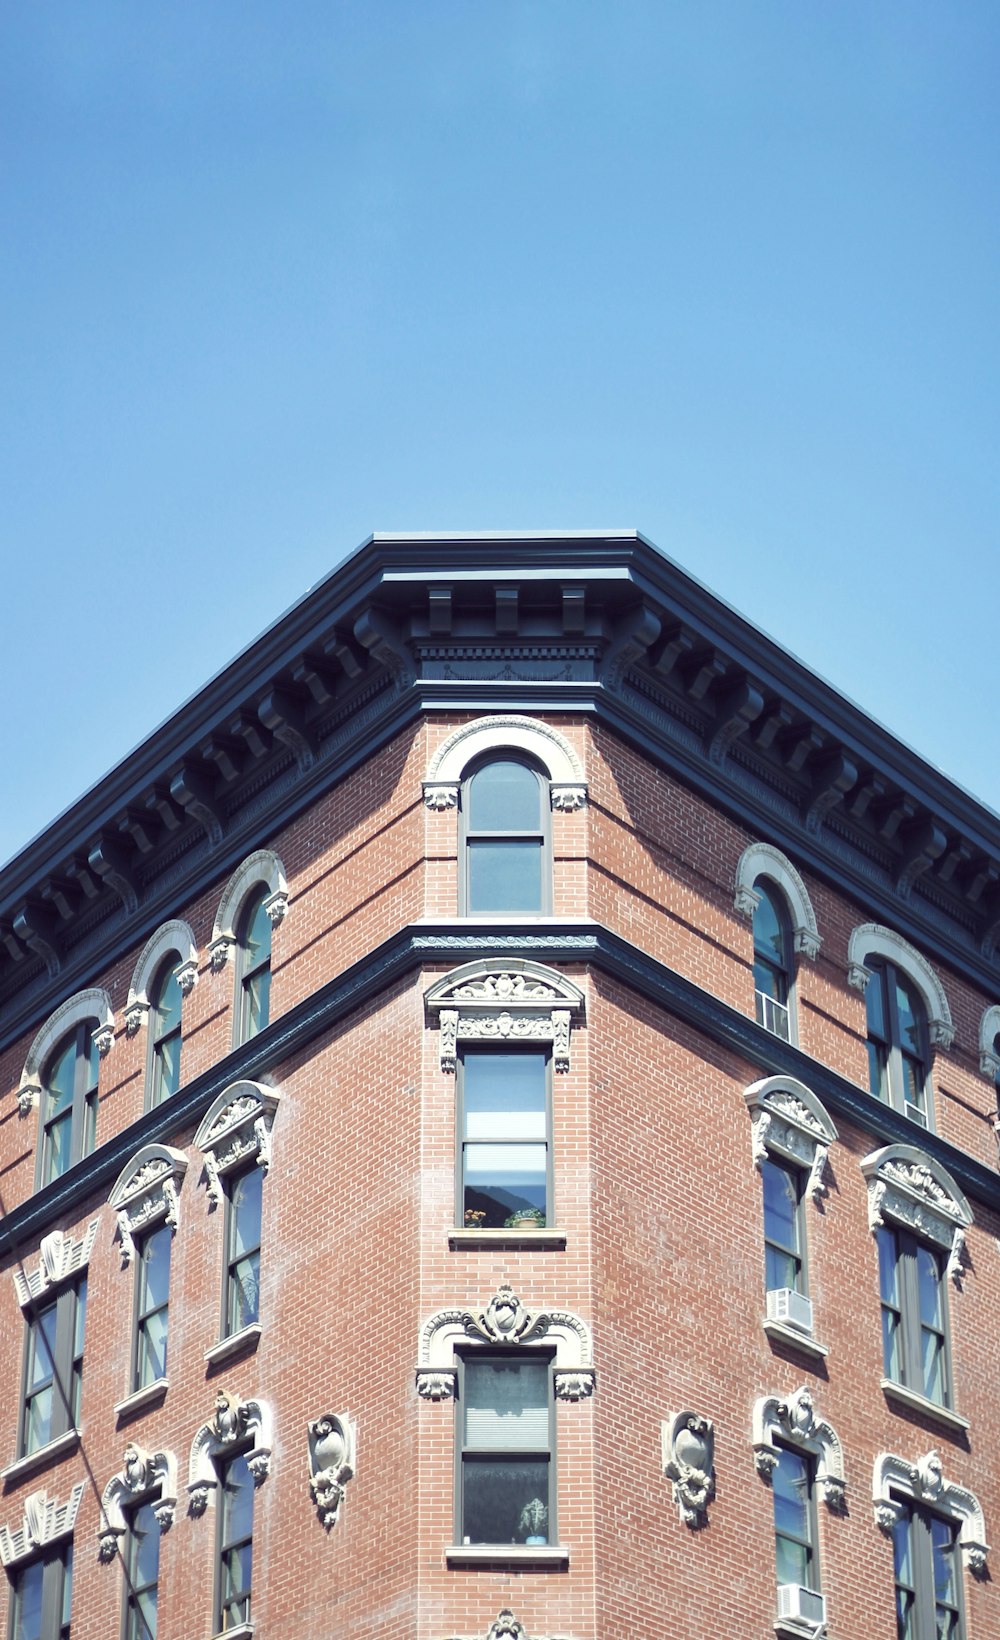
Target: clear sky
(275, 276)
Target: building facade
(498, 1138)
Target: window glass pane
(790, 1484)
(58, 1141)
(929, 1286)
(781, 1219)
(152, 1362)
(257, 937)
(505, 877)
(60, 1079)
(792, 1561)
(67, 1589)
(909, 1010)
(875, 1005)
(168, 1004)
(237, 1499)
(503, 1095)
(504, 797)
(505, 1501)
(768, 929)
(166, 1067)
(945, 1573)
(246, 1209)
(42, 1347)
(154, 1269)
(506, 1404)
(257, 1001)
(932, 1350)
(81, 1318)
(28, 1603)
(144, 1569)
(888, 1272)
(877, 1071)
(501, 1180)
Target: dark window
(784, 1239)
(505, 819)
(771, 961)
(506, 1493)
(898, 1058)
(69, 1103)
(142, 1563)
(928, 1587)
(53, 1371)
(40, 1597)
(165, 1034)
(235, 1542)
(243, 1219)
(794, 1519)
(152, 1296)
(504, 1128)
(914, 1314)
(253, 968)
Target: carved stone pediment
(789, 1120)
(44, 1521)
(505, 1320)
(912, 1189)
(60, 1259)
(895, 1480)
(512, 1001)
(233, 1421)
(146, 1191)
(142, 1472)
(235, 1130)
(794, 1422)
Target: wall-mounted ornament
(233, 1420)
(141, 1472)
(688, 1445)
(332, 1446)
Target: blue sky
(274, 277)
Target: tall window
(142, 1563)
(253, 968)
(243, 1223)
(784, 1231)
(69, 1103)
(505, 822)
(165, 1033)
(771, 961)
(53, 1369)
(898, 1056)
(914, 1313)
(40, 1597)
(928, 1597)
(505, 1484)
(152, 1294)
(235, 1543)
(505, 1164)
(794, 1519)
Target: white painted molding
(924, 1482)
(906, 1185)
(793, 1422)
(60, 1259)
(505, 1320)
(146, 1191)
(262, 868)
(171, 938)
(514, 1000)
(141, 1472)
(235, 1128)
(789, 1120)
(500, 733)
(233, 1423)
(762, 860)
(989, 1030)
(506, 1626)
(872, 940)
(94, 1004)
(44, 1522)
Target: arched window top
(760, 860)
(513, 1001)
(83, 1008)
(924, 1482)
(235, 1424)
(909, 1187)
(492, 737)
(989, 1045)
(506, 1321)
(174, 939)
(792, 1421)
(141, 1473)
(870, 942)
(789, 1120)
(260, 871)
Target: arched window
(69, 1101)
(164, 1077)
(506, 839)
(772, 960)
(898, 1051)
(253, 967)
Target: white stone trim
(141, 1472)
(233, 1423)
(235, 1129)
(263, 867)
(793, 1422)
(505, 732)
(333, 1440)
(76, 1010)
(505, 1320)
(687, 1452)
(872, 940)
(60, 1259)
(171, 937)
(762, 860)
(924, 1482)
(790, 1121)
(910, 1187)
(510, 1000)
(146, 1191)
(44, 1522)
(506, 1626)
(989, 1030)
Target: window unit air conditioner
(800, 1605)
(792, 1309)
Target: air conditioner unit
(793, 1309)
(799, 1605)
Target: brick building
(497, 1138)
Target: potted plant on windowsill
(527, 1218)
(474, 1217)
(534, 1523)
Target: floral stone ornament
(332, 1440)
(689, 1462)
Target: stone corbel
(218, 951)
(135, 1013)
(187, 977)
(332, 1445)
(275, 907)
(441, 794)
(103, 1039)
(688, 1453)
(568, 799)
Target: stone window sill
(242, 1631)
(788, 1629)
(537, 1237)
(910, 1400)
(50, 1453)
(796, 1340)
(506, 1554)
(140, 1399)
(240, 1343)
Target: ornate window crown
(793, 1422)
(172, 938)
(44, 1521)
(507, 732)
(511, 1001)
(141, 1472)
(761, 860)
(262, 867)
(793, 1123)
(234, 1423)
(236, 1129)
(146, 1191)
(76, 1010)
(60, 1259)
(908, 1186)
(924, 1482)
(872, 940)
(505, 1320)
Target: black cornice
(450, 943)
